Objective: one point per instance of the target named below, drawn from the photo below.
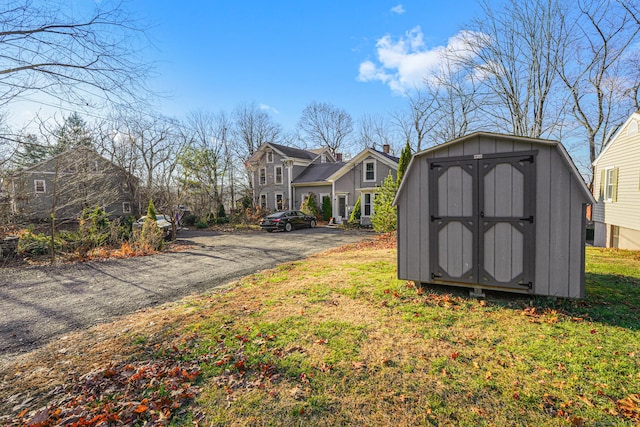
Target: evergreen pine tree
(326, 208)
(384, 218)
(73, 133)
(405, 158)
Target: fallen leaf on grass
(630, 407)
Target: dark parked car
(287, 221)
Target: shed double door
(482, 227)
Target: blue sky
(282, 55)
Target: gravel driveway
(40, 303)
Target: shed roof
(563, 154)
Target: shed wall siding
(624, 153)
(559, 222)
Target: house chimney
(385, 148)
(338, 157)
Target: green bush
(355, 213)
(36, 244)
(310, 205)
(94, 230)
(384, 218)
(201, 224)
(326, 208)
(189, 220)
(150, 237)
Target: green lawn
(338, 340)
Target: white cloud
(268, 108)
(406, 63)
(399, 9)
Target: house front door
(482, 219)
(342, 206)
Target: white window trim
(266, 202)
(608, 184)
(126, 207)
(35, 186)
(275, 199)
(260, 180)
(362, 210)
(275, 174)
(269, 156)
(364, 171)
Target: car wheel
(312, 224)
(269, 230)
(288, 227)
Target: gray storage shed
(491, 211)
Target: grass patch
(338, 340)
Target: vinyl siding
(624, 154)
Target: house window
(263, 201)
(323, 158)
(40, 186)
(263, 176)
(367, 204)
(610, 184)
(278, 174)
(94, 166)
(279, 201)
(126, 207)
(370, 170)
(269, 156)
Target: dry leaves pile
(122, 394)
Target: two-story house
(283, 177)
(617, 189)
(69, 182)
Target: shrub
(94, 230)
(189, 220)
(221, 211)
(355, 213)
(326, 208)
(310, 205)
(384, 218)
(150, 238)
(201, 224)
(36, 244)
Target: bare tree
(419, 118)
(602, 89)
(146, 145)
(253, 127)
(326, 125)
(374, 131)
(455, 92)
(515, 51)
(205, 161)
(81, 59)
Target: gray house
(491, 211)
(76, 179)
(283, 177)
